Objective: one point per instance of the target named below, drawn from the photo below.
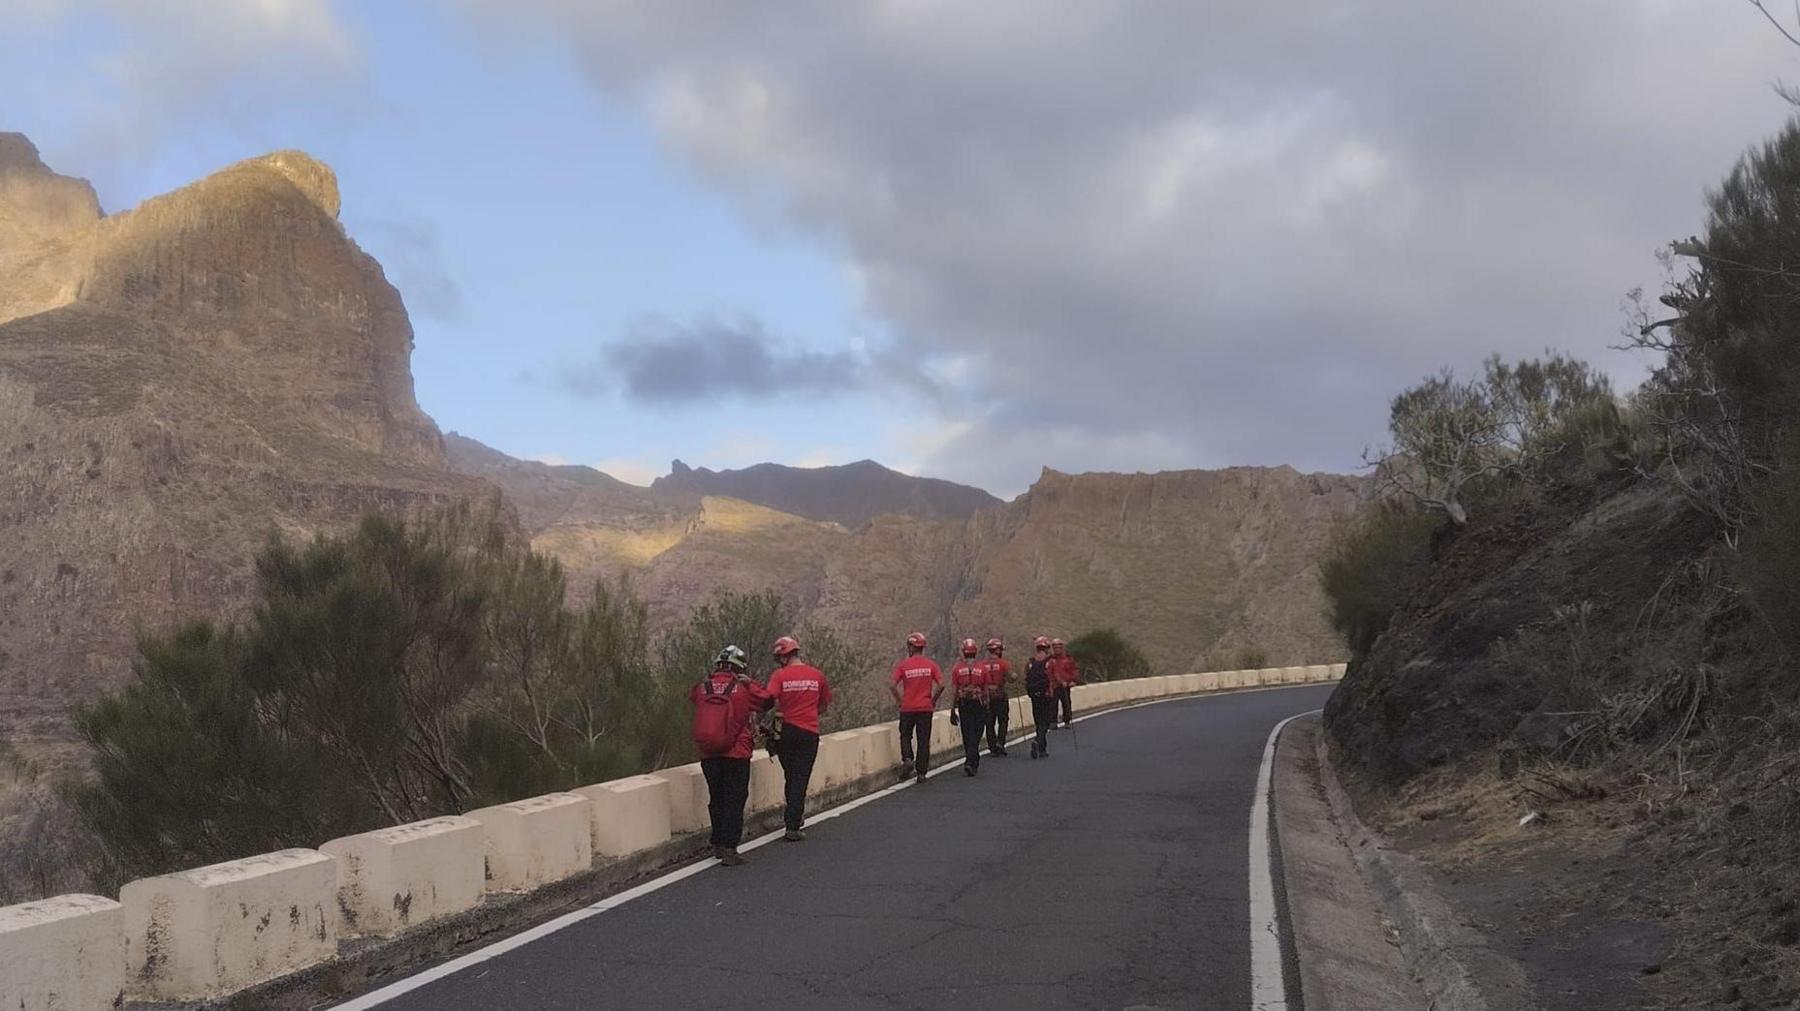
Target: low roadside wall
(210, 932)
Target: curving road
(1113, 876)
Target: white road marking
(1268, 984)
(426, 977)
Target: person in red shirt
(1066, 674)
(727, 771)
(801, 696)
(969, 682)
(917, 684)
(999, 679)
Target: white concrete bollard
(628, 815)
(1318, 673)
(945, 739)
(216, 930)
(880, 747)
(62, 952)
(536, 841)
(840, 760)
(1338, 670)
(1193, 684)
(768, 787)
(393, 878)
(687, 798)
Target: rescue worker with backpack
(1066, 674)
(724, 729)
(801, 696)
(969, 680)
(917, 684)
(1040, 687)
(999, 679)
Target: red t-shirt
(916, 675)
(801, 694)
(746, 699)
(997, 670)
(970, 679)
(1064, 670)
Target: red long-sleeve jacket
(1065, 671)
(748, 699)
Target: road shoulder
(1347, 950)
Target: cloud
(1179, 233)
(154, 70)
(631, 471)
(661, 362)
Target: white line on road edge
(426, 977)
(1268, 984)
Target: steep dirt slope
(851, 494)
(176, 382)
(1588, 657)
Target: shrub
(1105, 655)
(1370, 561)
(1769, 553)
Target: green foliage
(1455, 441)
(1370, 561)
(403, 670)
(1769, 554)
(1250, 658)
(1105, 655)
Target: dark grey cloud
(660, 361)
(1178, 233)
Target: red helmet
(995, 645)
(1041, 643)
(916, 640)
(968, 647)
(786, 645)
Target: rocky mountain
(851, 494)
(1197, 567)
(176, 382)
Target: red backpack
(718, 723)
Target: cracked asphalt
(1113, 876)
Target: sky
(966, 240)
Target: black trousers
(972, 715)
(1043, 717)
(1068, 712)
(999, 714)
(727, 790)
(799, 750)
(915, 726)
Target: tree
(1105, 655)
(1452, 436)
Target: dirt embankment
(1590, 659)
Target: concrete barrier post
(62, 952)
(536, 841)
(687, 798)
(1318, 673)
(840, 760)
(393, 878)
(216, 930)
(768, 787)
(628, 815)
(1204, 682)
(1338, 670)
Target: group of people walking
(727, 702)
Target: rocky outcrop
(851, 494)
(177, 381)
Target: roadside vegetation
(1105, 655)
(403, 670)
(1589, 603)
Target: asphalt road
(1113, 876)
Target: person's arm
(894, 686)
(937, 685)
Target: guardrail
(213, 931)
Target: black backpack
(1037, 677)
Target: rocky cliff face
(851, 494)
(1197, 567)
(177, 381)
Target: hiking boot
(923, 779)
(906, 772)
(998, 752)
(969, 770)
(731, 857)
(1034, 749)
(794, 835)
